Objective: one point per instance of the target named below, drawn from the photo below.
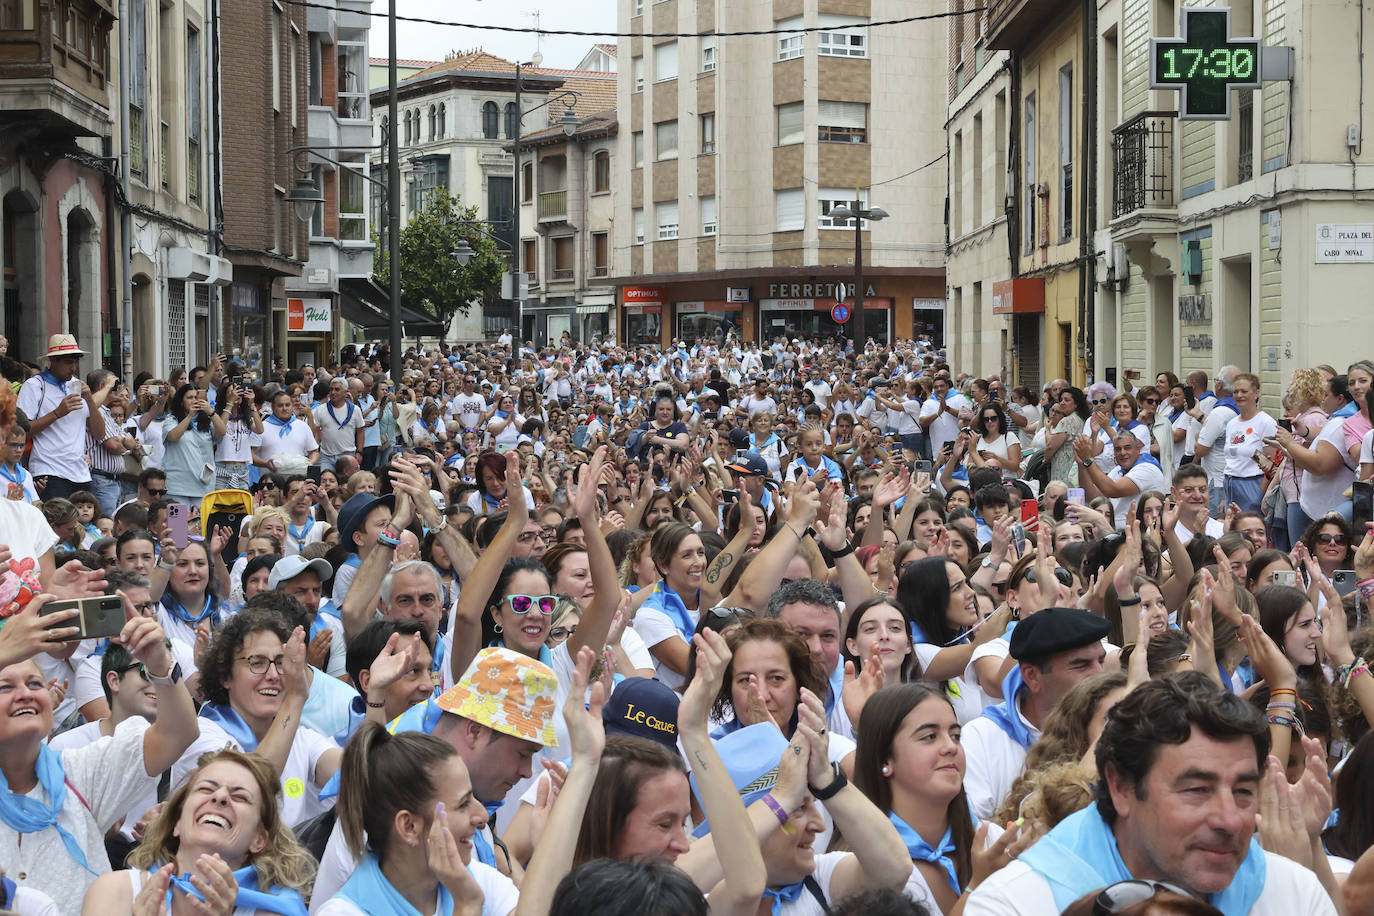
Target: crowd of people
(781, 630)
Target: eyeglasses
(989, 416)
(558, 634)
(428, 599)
(146, 608)
(157, 494)
(527, 537)
(1123, 894)
(258, 663)
(521, 604)
(1149, 402)
(1327, 538)
(1001, 587)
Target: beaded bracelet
(1349, 673)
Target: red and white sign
(308, 315)
(644, 295)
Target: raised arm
(599, 613)
(766, 570)
(719, 570)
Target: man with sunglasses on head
(1180, 766)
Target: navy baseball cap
(739, 439)
(642, 707)
(750, 464)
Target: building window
(433, 117)
(790, 44)
(843, 122)
(527, 182)
(276, 59)
(563, 257)
(352, 63)
(531, 257)
(666, 214)
(429, 174)
(830, 198)
(845, 36)
(601, 171)
(708, 216)
(790, 129)
(708, 133)
(193, 107)
(443, 118)
(708, 54)
(138, 87)
(601, 254)
(1066, 152)
(665, 140)
(637, 143)
(791, 209)
(352, 202)
(489, 119)
(637, 67)
(639, 225)
(665, 61)
(512, 122)
(639, 7)
(1028, 243)
(405, 137)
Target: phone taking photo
(100, 616)
(179, 524)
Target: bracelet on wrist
(372, 705)
(778, 810)
(390, 540)
(1128, 602)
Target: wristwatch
(827, 792)
(987, 563)
(1087, 462)
(173, 677)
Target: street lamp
(305, 197)
(463, 253)
(858, 214)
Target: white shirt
(1032, 415)
(1145, 476)
(468, 409)
(946, 425)
(1019, 890)
(25, 530)
(1319, 493)
(1213, 529)
(821, 389)
(1213, 434)
(994, 762)
(753, 405)
(339, 432)
(807, 904)
(238, 442)
(301, 795)
(963, 692)
(84, 735)
(653, 627)
(60, 449)
(300, 441)
(1244, 438)
(109, 774)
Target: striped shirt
(98, 456)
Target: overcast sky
(428, 42)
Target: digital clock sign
(1205, 64)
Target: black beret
(1056, 629)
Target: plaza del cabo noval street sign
(1339, 244)
(1205, 64)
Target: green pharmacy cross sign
(1205, 64)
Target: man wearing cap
(497, 717)
(361, 520)
(61, 412)
(304, 580)
(1179, 763)
(1054, 649)
(1136, 472)
(752, 476)
(341, 424)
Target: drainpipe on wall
(1013, 188)
(126, 220)
(1087, 205)
(210, 189)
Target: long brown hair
(282, 863)
(804, 669)
(883, 716)
(384, 773)
(626, 765)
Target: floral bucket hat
(507, 692)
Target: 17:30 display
(1221, 63)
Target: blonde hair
(267, 513)
(1307, 387)
(632, 556)
(284, 862)
(357, 480)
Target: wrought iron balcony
(1143, 163)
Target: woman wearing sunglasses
(995, 443)
(256, 684)
(1328, 541)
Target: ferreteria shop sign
(827, 290)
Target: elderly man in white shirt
(1136, 472)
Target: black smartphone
(1362, 506)
(1189, 398)
(729, 497)
(101, 616)
(237, 382)
(313, 473)
(1286, 424)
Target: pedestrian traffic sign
(839, 313)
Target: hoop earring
(496, 627)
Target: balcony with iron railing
(1143, 166)
(553, 205)
(54, 64)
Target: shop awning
(592, 309)
(366, 305)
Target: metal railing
(561, 273)
(1143, 162)
(553, 204)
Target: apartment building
(55, 174)
(266, 51)
(982, 334)
(1241, 241)
(735, 151)
(336, 282)
(1051, 293)
(567, 213)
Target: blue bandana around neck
(15, 476)
(1349, 410)
(303, 533)
(281, 900)
(23, 814)
(348, 414)
(1005, 714)
(370, 891)
(1080, 855)
(921, 851)
(232, 723)
(485, 854)
(50, 379)
(785, 894)
(284, 429)
(1146, 458)
(173, 606)
(670, 602)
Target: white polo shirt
(994, 762)
(59, 450)
(1145, 476)
(299, 441)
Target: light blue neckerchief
(1080, 855)
(370, 891)
(232, 723)
(29, 815)
(285, 425)
(485, 854)
(785, 894)
(920, 850)
(178, 611)
(348, 414)
(281, 900)
(1006, 715)
(670, 602)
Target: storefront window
(818, 323)
(928, 323)
(643, 329)
(707, 326)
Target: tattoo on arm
(723, 559)
(701, 762)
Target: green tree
(431, 276)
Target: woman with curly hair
(1302, 402)
(219, 839)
